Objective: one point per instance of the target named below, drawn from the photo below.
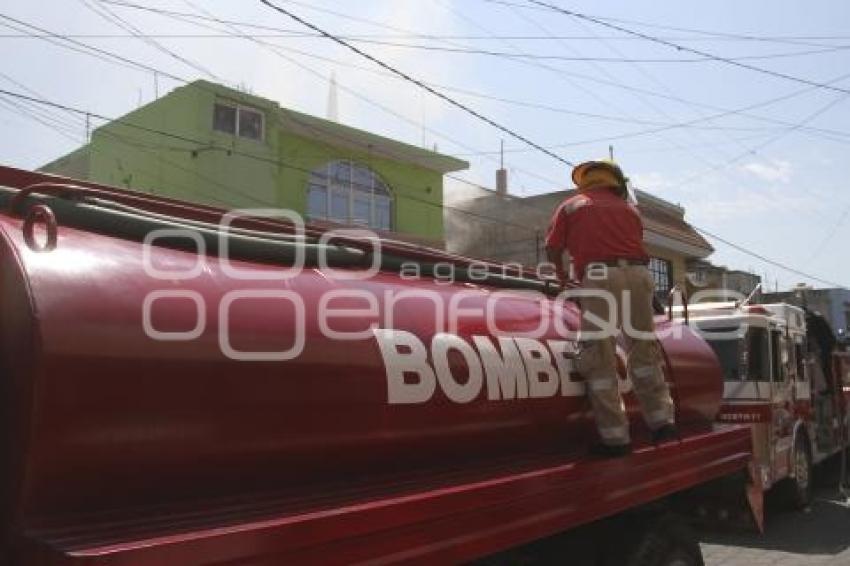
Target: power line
(51, 38)
(538, 64)
(107, 55)
(295, 34)
(279, 163)
(712, 35)
(754, 150)
(708, 35)
(91, 50)
(114, 18)
(603, 71)
(712, 166)
(823, 133)
(52, 124)
(202, 143)
(73, 122)
(274, 50)
(768, 260)
(680, 47)
(455, 50)
(651, 103)
(721, 112)
(703, 231)
(527, 104)
(333, 132)
(631, 134)
(462, 211)
(420, 84)
(829, 235)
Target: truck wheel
(798, 489)
(669, 542)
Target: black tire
(798, 488)
(669, 541)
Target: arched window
(350, 193)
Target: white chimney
(502, 173)
(502, 181)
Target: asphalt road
(818, 536)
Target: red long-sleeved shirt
(597, 225)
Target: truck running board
(454, 522)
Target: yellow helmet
(599, 173)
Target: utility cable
(687, 49)
(420, 84)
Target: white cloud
(775, 170)
(651, 181)
(740, 205)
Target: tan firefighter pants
(630, 288)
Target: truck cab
(778, 380)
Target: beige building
(511, 229)
(704, 275)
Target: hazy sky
(771, 175)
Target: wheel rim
(801, 468)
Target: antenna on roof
(501, 154)
(611, 152)
(333, 104)
(422, 109)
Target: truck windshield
(758, 352)
(727, 350)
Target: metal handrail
(412, 251)
(671, 297)
(49, 188)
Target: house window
(662, 274)
(238, 120)
(349, 193)
(224, 118)
(250, 123)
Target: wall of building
(498, 228)
(76, 164)
(719, 283)
(512, 229)
(179, 166)
(202, 165)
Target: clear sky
(757, 159)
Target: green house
(207, 143)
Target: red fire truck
(175, 393)
(782, 377)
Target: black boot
(610, 450)
(667, 433)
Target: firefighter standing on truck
(603, 234)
